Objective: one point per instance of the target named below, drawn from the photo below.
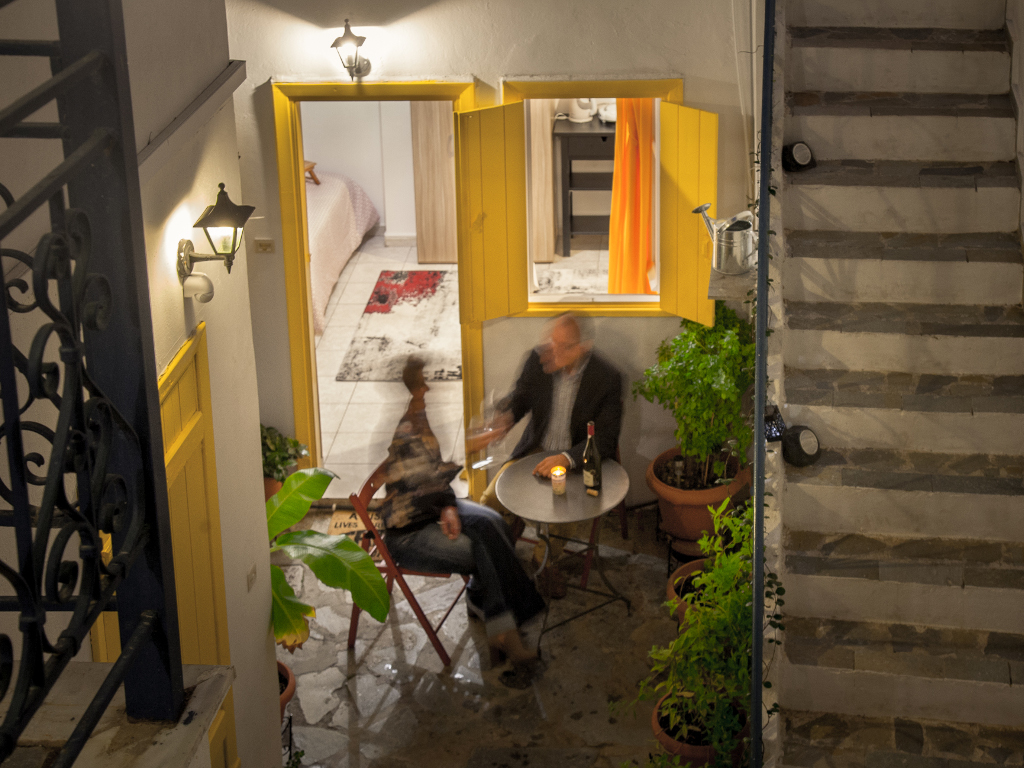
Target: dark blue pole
(761, 381)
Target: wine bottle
(591, 461)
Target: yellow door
(491, 205)
(187, 422)
(689, 178)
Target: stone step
(902, 126)
(893, 512)
(945, 14)
(915, 282)
(914, 60)
(993, 609)
(905, 470)
(943, 562)
(905, 649)
(978, 247)
(891, 196)
(912, 137)
(907, 319)
(906, 391)
(812, 739)
(909, 174)
(913, 338)
(872, 409)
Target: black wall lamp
(347, 47)
(222, 222)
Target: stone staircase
(903, 347)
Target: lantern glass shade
(347, 47)
(223, 222)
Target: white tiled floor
(585, 271)
(357, 419)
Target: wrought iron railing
(80, 411)
(761, 382)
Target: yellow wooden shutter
(491, 203)
(689, 178)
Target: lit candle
(558, 480)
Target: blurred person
(562, 385)
(428, 529)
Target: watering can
(734, 240)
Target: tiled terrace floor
(390, 703)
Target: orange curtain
(630, 250)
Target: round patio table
(532, 499)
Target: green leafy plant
(705, 671)
(700, 377)
(336, 560)
(295, 760)
(279, 453)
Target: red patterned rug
(412, 312)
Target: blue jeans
(500, 588)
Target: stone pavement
(390, 702)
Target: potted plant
(337, 561)
(681, 583)
(702, 678)
(701, 377)
(280, 454)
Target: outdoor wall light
(347, 47)
(222, 222)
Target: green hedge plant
(700, 378)
(336, 560)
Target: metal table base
(613, 594)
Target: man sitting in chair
(428, 529)
(563, 385)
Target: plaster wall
(706, 44)
(171, 202)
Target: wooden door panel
(433, 161)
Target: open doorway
(381, 230)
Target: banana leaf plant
(336, 560)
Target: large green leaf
(288, 613)
(289, 505)
(339, 562)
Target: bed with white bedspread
(339, 214)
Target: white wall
(399, 187)
(344, 137)
(465, 40)
(174, 51)
(171, 202)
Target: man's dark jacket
(599, 399)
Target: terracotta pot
(670, 588)
(270, 487)
(697, 756)
(684, 514)
(289, 688)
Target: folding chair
(374, 544)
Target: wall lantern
(347, 47)
(222, 222)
